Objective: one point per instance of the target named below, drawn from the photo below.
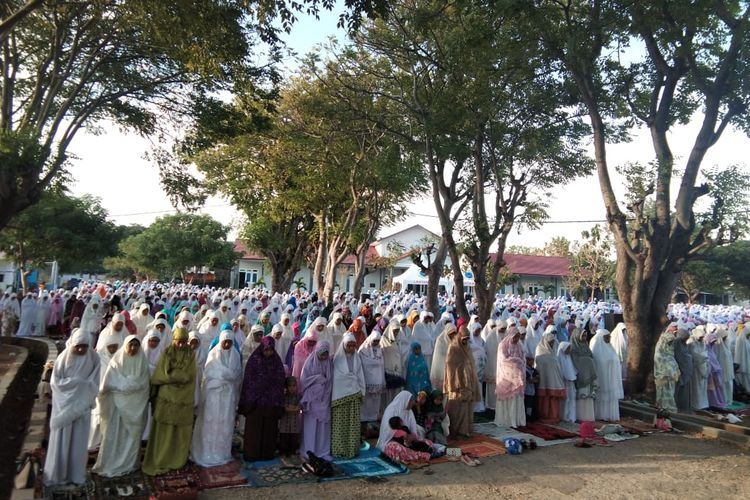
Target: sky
(111, 165)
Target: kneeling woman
(405, 446)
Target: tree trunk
(319, 259)
(359, 272)
(434, 273)
(644, 328)
(276, 277)
(24, 279)
(287, 278)
(458, 280)
(330, 280)
(485, 298)
(284, 266)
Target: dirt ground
(658, 466)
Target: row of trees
(171, 246)
(431, 99)
(490, 100)
(77, 233)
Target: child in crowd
(529, 398)
(420, 409)
(407, 447)
(289, 424)
(434, 416)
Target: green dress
(173, 384)
(345, 426)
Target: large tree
(73, 231)
(490, 127)
(651, 64)
(368, 177)
(316, 173)
(591, 266)
(175, 243)
(69, 65)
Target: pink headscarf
(511, 374)
(302, 351)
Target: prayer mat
(502, 433)
(134, 485)
(70, 492)
(546, 432)
(478, 445)
(222, 476)
(616, 437)
(275, 475)
(176, 485)
(635, 426)
(736, 405)
(366, 465)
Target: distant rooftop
(536, 265)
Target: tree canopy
(172, 245)
(146, 65)
(73, 231)
(653, 65)
(312, 178)
(724, 269)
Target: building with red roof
(535, 274)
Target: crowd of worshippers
(186, 371)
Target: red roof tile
(247, 254)
(372, 254)
(536, 265)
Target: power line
(168, 211)
(543, 222)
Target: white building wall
(409, 238)
(7, 273)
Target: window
(253, 276)
(2, 277)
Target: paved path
(36, 428)
(657, 466)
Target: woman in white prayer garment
(335, 330)
(220, 392)
(74, 384)
(619, 342)
(153, 345)
(569, 373)
(123, 402)
(491, 344)
(609, 377)
(142, 319)
(28, 316)
(423, 333)
(109, 342)
(700, 368)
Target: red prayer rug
(176, 485)
(546, 432)
(222, 476)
